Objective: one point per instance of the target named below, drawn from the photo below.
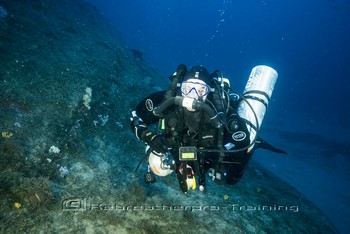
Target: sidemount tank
(257, 93)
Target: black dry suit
(214, 129)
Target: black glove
(157, 142)
(181, 70)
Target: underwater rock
(3, 13)
(50, 52)
(80, 174)
(137, 53)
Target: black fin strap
(250, 124)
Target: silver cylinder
(257, 93)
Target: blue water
(307, 42)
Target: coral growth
(34, 194)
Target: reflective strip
(155, 170)
(163, 124)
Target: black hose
(197, 105)
(163, 106)
(175, 79)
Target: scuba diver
(202, 126)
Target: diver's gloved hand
(157, 142)
(137, 125)
(181, 70)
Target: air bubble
(221, 12)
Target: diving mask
(195, 88)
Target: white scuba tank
(257, 93)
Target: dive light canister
(257, 93)
(157, 164)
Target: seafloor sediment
(67, 155)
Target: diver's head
(196, 83)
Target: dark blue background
(306, 41)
